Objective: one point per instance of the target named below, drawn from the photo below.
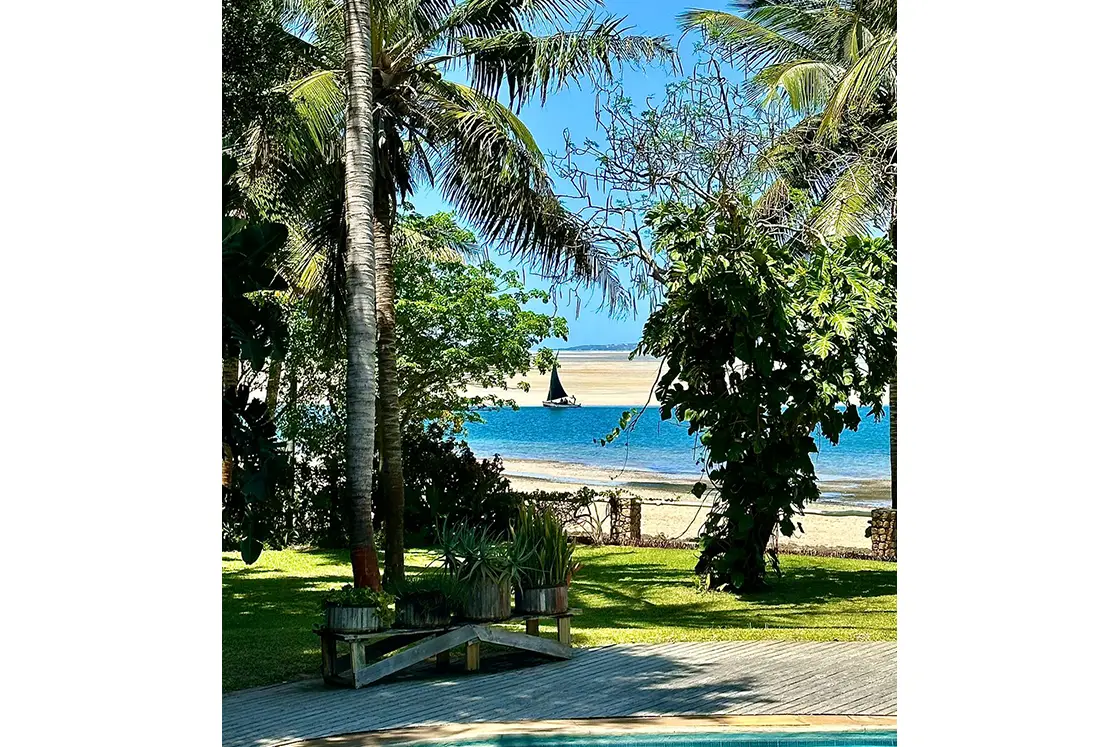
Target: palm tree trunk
(389, 422)
(893, 404)
(894, 389)
(361, 321)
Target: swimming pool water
(713, 739)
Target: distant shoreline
(594, 377)
(614, 347)
(835, 491)
(670, 510)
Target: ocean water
(654, 445)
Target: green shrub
(434, 590)
(444, 481)
(348, 596)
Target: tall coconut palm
(836, 63)
(363, 232)
(459, 137)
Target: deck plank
(713, 678)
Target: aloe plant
(473, 554)
(543, 549)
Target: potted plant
(545, 553)
(350, 610)
(481, 563)
(428, 599)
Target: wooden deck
(724, 678)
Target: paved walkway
(738, 677)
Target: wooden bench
(368, 657)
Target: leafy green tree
(458, 137)
(458, 324)
(835, 62)
(463, 325)
(763, 342)
(258, 55)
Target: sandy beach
(669, 509)
(611, 378)
(595, 377)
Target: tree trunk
(293, 428)
(361, 321)
(272, 390)
(231, 372)
(389, 422)
(893, 415)
(893, 403)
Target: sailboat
(557, 397)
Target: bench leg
(357, 659)
(330, 656)
(533, 627)
(564, 630)
(474, 656)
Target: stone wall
(884, 534)
(635, 520)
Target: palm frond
(859, 37)
(434, 238)
(479, 18)
(470, 103)
(529, 65)
(746, 40)
(808, 83)
(861, 83)
(317, 22)
(852, 202)
(320, 103)
(501, 187)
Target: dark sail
(555, 388)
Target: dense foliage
(348, 596)
(444, 481)
(458, 323)
(433, 590)
(461, 324)
(763, 343)
(252, 331)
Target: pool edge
(600, 727)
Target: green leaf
(251, 549)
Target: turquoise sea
(655, 445)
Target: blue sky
(573, 109)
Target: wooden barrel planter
(353, 620)
(550, 601)
(422, 612)
(486, 600)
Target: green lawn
(627, 594)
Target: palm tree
(432, 130)
(836, 63)
(362, 235)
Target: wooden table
(368, 657)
